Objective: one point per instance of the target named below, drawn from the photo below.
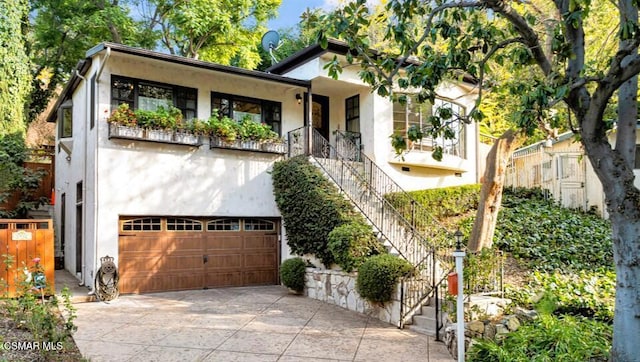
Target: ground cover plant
(564, 268)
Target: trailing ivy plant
(548, 237)
(311, 207)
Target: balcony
(117, 131)
(264, 146)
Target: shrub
(442, 202)
(548, 338)
(310, 206)
(378, 276)
(351, 243)
(292, 272)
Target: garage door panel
(260, 260)
(143, 244)
(183, 243)
(224, 279)
(191, 259)
(260, 277)
(129, 263)
(220, 241)
(227, 261)
(260, 241)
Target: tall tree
(453, 35)
(63, 30)
(15, 76)
(225, 31)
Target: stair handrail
(426, 262)
(360, 155)
(329, 150)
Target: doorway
(319, 114)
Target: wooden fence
(21, 241)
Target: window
(637, 163)
(144, 224)
(224, 225)
(413, 113)
(141, 94)
(238, 107)
(352, 113)
(258, 224)
(178, 224)
(65, 121)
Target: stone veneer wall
(339, 288)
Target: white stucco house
(187, 215)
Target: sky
(290, 10)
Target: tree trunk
(626, 254)
(491, 192)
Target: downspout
(84, 182)
(95, 170)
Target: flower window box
(268, 146)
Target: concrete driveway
(241, 324)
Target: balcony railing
(266, 146)
(117, 131)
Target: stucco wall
(144, 178)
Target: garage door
(170, 253)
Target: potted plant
(292, 274)
(124, 122)
(222, 130)
(160, 123)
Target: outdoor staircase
(403, 232)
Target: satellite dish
(270, 42)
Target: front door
(320, 114)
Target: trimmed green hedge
(292, 273)
(378, 276)
(442, 202)
(311, 207)
(352, 243)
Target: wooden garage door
(167, 253)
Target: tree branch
(531, 39)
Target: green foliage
(548, 338)
(40, 315)
(443, 202)
(15, 76)
(292, 273)
(584, 293)
(123, 116)
(162, 118)
(14, 178)
(548, 237)
(352, 243)
(310, 206)
(379, 275)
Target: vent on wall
(406, 169)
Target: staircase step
(423, 321)
(429, 311)
(427, 331)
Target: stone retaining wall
(339, 288)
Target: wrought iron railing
(368, 188)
